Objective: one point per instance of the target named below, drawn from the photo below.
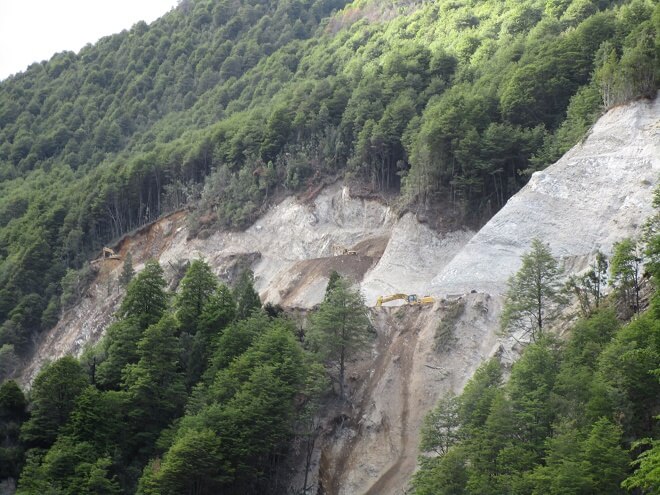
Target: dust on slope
(393, 347)
(86, 321)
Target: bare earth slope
(292, 250)
(597, 194)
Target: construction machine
(339, 250)
(410, 299)
(108, 254)
(414, 299)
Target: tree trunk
(342, 372)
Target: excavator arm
(384, 299)
(411, 299)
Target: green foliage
(570, 412)
(204, 309)
(652, 239)
(589, 287)
(606, 461)
(69, 467)
(8, 361)
(236, 427)
(145, 299)
(478, 394)
(218, 312)
(444, 334)
(626, 276)
(244, 416)
(340, 328)
(564, 421)
(247, 299)
(534, 297)
(194, 464)
(628, 68)
(231, 103)
(647, 475)
(627, 366)
(440, 428)
(12, 402)
(74, 284)
(52, 399)
(236, 339)
(127, 271)
(196, 289)
(237, 424)
(332, 282)
(120, 349)
(12, 414)
(446, 475)
(154, 384)
(97, 418)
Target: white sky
(34, 30)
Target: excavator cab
(413, 299)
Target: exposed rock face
(597, 194)
(292, 250)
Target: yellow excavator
(411, 299)
(108, 254)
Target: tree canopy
(224, 104)
(534, 297)
(158, 417)
(340, 328)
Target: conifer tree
(127, 271)
(197, 288)
(440, 427)
(247, 299)
(155, 384)
(145, 299)
(218, 312)
(340, 328)
(13, 412)
(534, 296)
(626, 265)
(53, 397)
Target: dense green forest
(197, 392)
(227, 105)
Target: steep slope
(598, 193)
(240, 101)
(595, 195)
(292, 250)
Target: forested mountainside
(230, 102)
(222, 107)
